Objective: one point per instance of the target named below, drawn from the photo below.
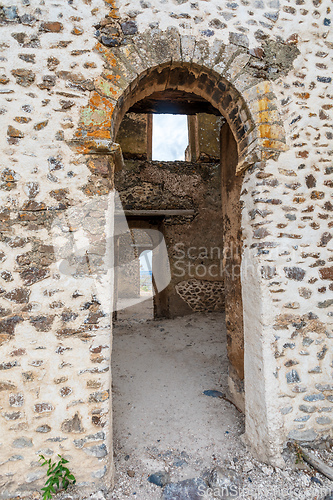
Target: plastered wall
(67, 72)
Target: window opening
(170, 137)
(146, 281)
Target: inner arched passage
(184, 356)
(190, 90)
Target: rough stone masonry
(69, 71)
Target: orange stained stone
(100, 134)
(302, 95)
(263, 104)
(107, 54)
(272, 144)
(99, 102)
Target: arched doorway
(246, 139)
(188, 90)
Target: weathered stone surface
(14, 415)
(72, 425)
(51, 27)
(325, 304)
(323, 420)
(307, 435)
(294, 273)
(33, 275)
(292, 377)
(16, 400)
(43, 428)
(129, 27)
(214, 394)
(98, 397)
(22, 442)
(268, 272)
(6, 276)
(24, 77)
(307, 409)
(190, 489)
(7, 386)
(43, 407)
(225, 481)
(14, 132)
(65, 391)
(8, 14)
(314, 397)
(48, 82)
(42, 323)
(280, 213)
(326, 273)
(98, 451)
(18, 295)
(7, 365)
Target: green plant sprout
(58, 476)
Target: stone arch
(210, 86)
(248, 104)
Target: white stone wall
(54, 330)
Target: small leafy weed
(59, 476)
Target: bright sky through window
(146, 261)
(170, 137)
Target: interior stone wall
(133, 136)
(128, 275)
(195, 249)
(67, 72)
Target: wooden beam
(155, 213)
(174, 102)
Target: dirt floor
(136, 309)
(163, 422)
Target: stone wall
(128, 278)
(54, 326)
(67, 72)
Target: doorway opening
(146, 282)
(134, 290)
(167, 371)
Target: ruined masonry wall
(55, 330)
(195, 248)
